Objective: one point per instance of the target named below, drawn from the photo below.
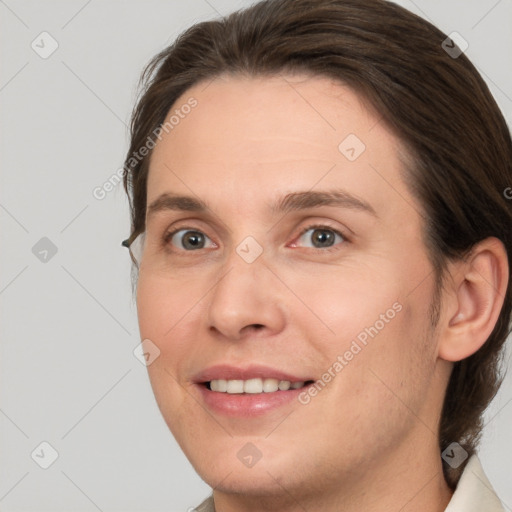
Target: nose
(247, 300)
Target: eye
(320, 237)
(188, 239)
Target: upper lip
(228, 372)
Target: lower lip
(247, 404)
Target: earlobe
(478, 293)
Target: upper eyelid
(170, 233)
(313, 225)
(219, 225)
(319, 225)
(340, 232)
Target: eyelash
(326, 228)
(169, 235)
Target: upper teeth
(253, 385)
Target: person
(320, 240)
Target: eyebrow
(310, 199)
(293, 201)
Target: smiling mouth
(254, 386)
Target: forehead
(247, 138)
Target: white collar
(474, 493)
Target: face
(296, 261)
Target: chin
(256, 481)
(239, 465)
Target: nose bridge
(246, 294)
(246, 262)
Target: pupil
(193, 240)
(322, 238)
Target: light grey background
(68, 326)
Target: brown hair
(459, 146)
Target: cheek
(167, 316)
(343, 301)
(381, 373)
(371, 330)
(167, 312)
(165, 305)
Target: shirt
(473, 493)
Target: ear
(474, 300)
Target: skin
(368, 440)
